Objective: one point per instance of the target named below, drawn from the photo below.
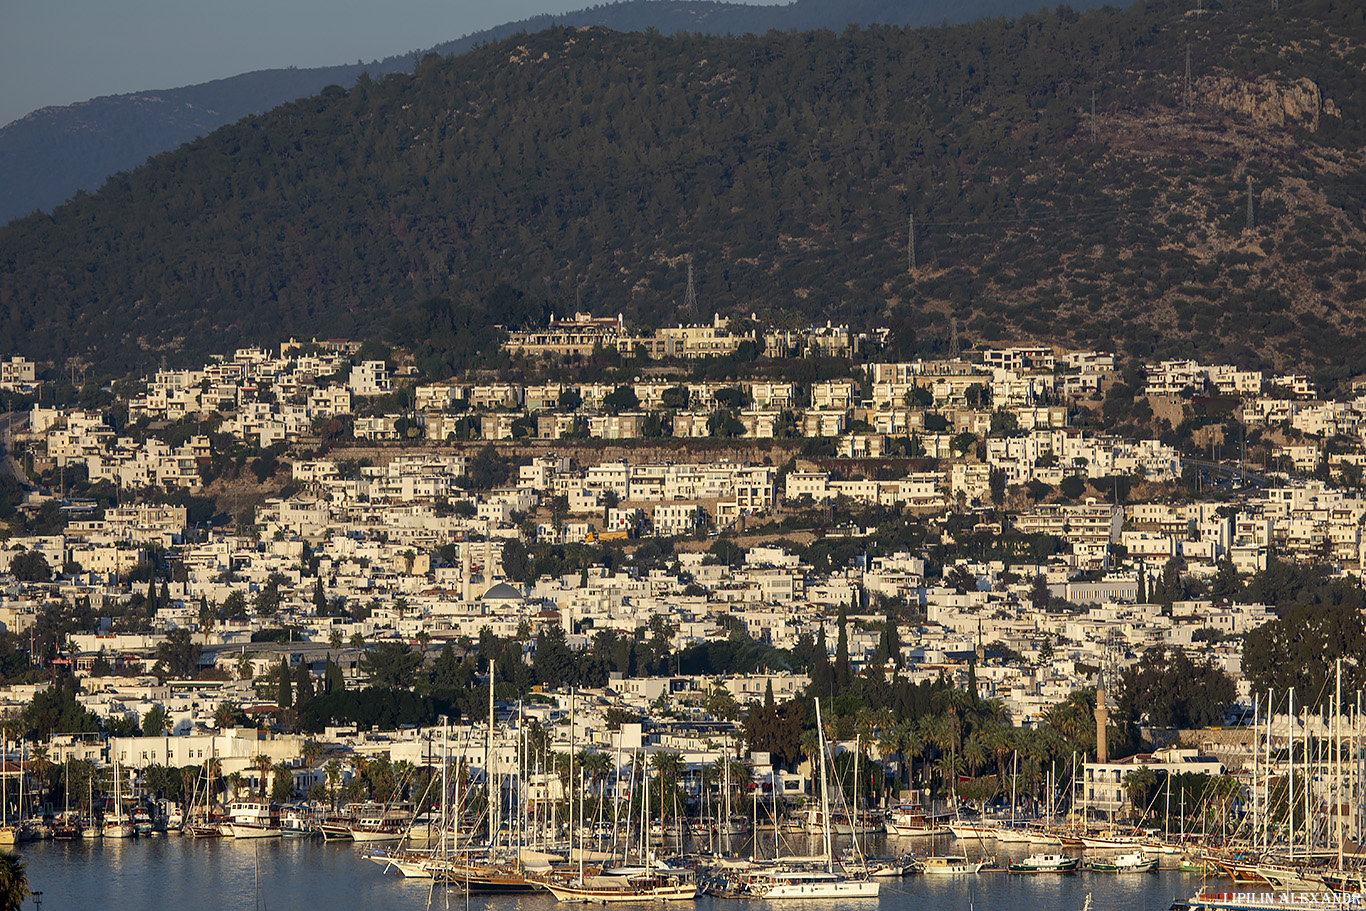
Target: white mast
(616, 797)
(825, 796)
(1255, 719)
(495, 801)
(1337, 761)
(445, 783)
(1266, 796)
(1290, 785)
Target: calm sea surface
(171, 873)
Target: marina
(211, 874)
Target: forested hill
(786, 167)
(53, 152)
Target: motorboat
(951, 865)
(1128, 862)
(1045, 863)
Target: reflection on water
(171, 873)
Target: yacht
(251, 819)
(951, 865)
(1128, 862)
(779, 884)
(645, 885)
(908, 820)
(1045, 863)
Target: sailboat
(649, 881)
(1012, 834)
(493, 872)
(816, 884)
(8, 834)
(117, 824)
(66, 826)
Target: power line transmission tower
(953, 337)
(690, 299)
(1093, 115)
(1186, 91)
(1249, 202)
(910, 243)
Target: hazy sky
(63, 51)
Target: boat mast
(825, 795)
(495, 797)
(1014, 771)
(569, 798)
(1266, 795)
(1337, 761)
(1255, 718)
(616, 798)
(445, 783)
(1290, 786)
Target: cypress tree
(842, 673)
(284, 694)
(303, 685)
(820, 667)
(892, 637)
(332, 678)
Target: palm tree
(334, 640)
(215, 776)
(235, 782)
(596, 765)
(263, 764)
(974, 753)
(947, 767)
(13, 881)
(40, 765)
(909, 744)
(668, 766)
(333, 772)
(404, 771)
(1000, 740)
(283, 775)
(1138, 784)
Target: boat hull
(610, 895)
(237, 830)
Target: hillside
(47, 156)
(591, 165)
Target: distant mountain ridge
(50, 154)
(1053, 178)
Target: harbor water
(174, 873)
